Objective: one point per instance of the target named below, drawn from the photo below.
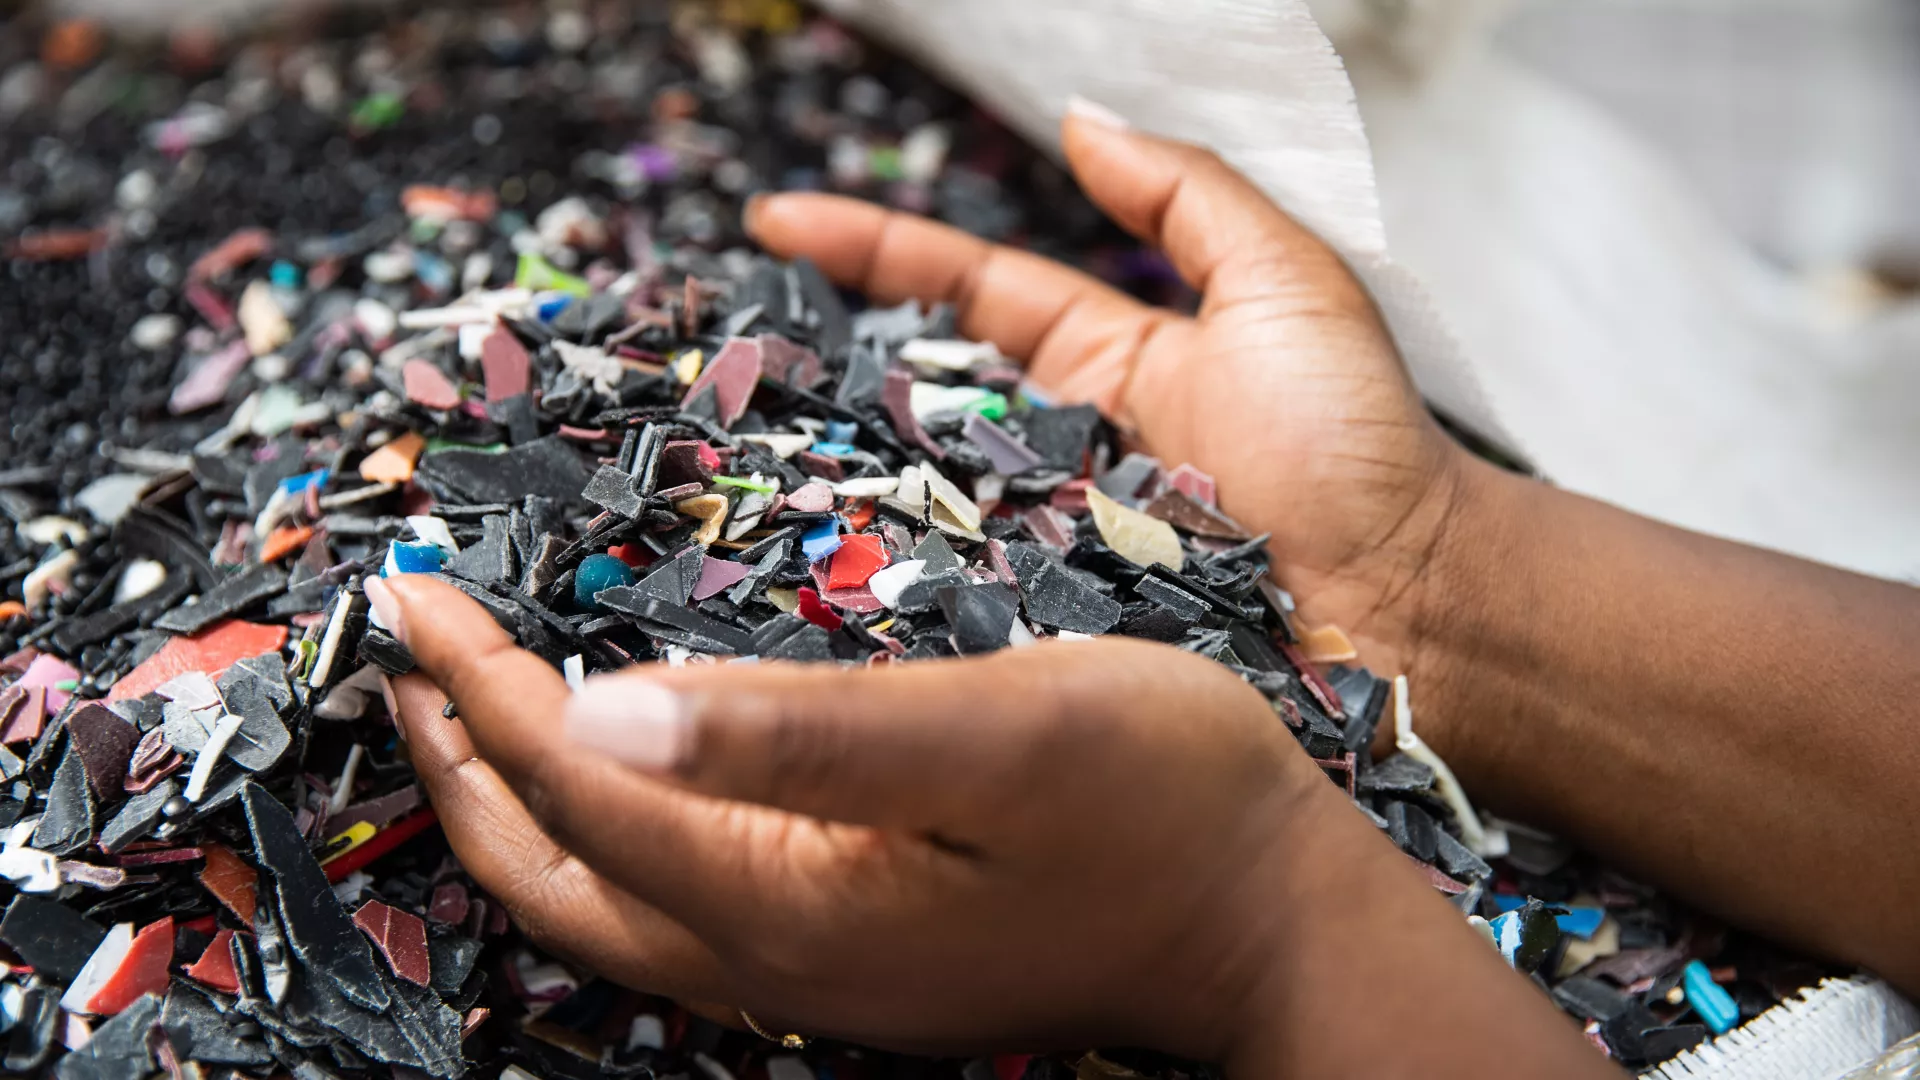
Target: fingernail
(386, 608)
(636, 722)
(393, 707)
(1095, 113)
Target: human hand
(1286, 386)
(1073, 844)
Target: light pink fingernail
(1096, 113)
(631, 720)
(386, 608)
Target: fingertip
(751, 211)
(774, 219)
(631, 719)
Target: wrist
(1467, 639)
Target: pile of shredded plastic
(465, 296)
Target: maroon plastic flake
(400, 936)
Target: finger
(932, 748)
(677, 851)
(1067, 325)
(554, 898)
(1224, 236)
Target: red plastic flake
(897, 395)
(211, 307)
(212, 651)
(1438, 878)
(400, 936)
(505, 364)
(142, 972)
(856, 560)
(1316, 683)
(1049, 526)
(634, 555)
(235, 251)
(815, 611)
(1071, 496)
(284, 541)
(56, 245)
(860, 515)
(732, 373)
(1194, 484)
(22, 712)
(383, 841)
(215, 966)
(428, 387)
(158, 856)
(231, 881)
(787, 363)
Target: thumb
(921, 747)
(1224, 236)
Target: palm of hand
(1285, 387)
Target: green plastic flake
(743, 482)
(309, 652)
(884, 163)
(992, 406)
(377, 111)
(539, 275)
(423, 230)
(435, 444)
(67, 685)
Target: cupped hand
(1286, 386)
(1067, 845)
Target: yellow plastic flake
(686, 366)
(356, 834)
(1134, 536)
(711, 510)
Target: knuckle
(803, 753)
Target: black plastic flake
(231, 597)
(49, 935)
(118, 1049)
(317, 927)
(68, 821)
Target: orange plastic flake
(12, 609)
(447, 204)
(56, 245)
(71, 43)
(1327, 645)
(284, 541)
(393, 463)
(230, 880)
